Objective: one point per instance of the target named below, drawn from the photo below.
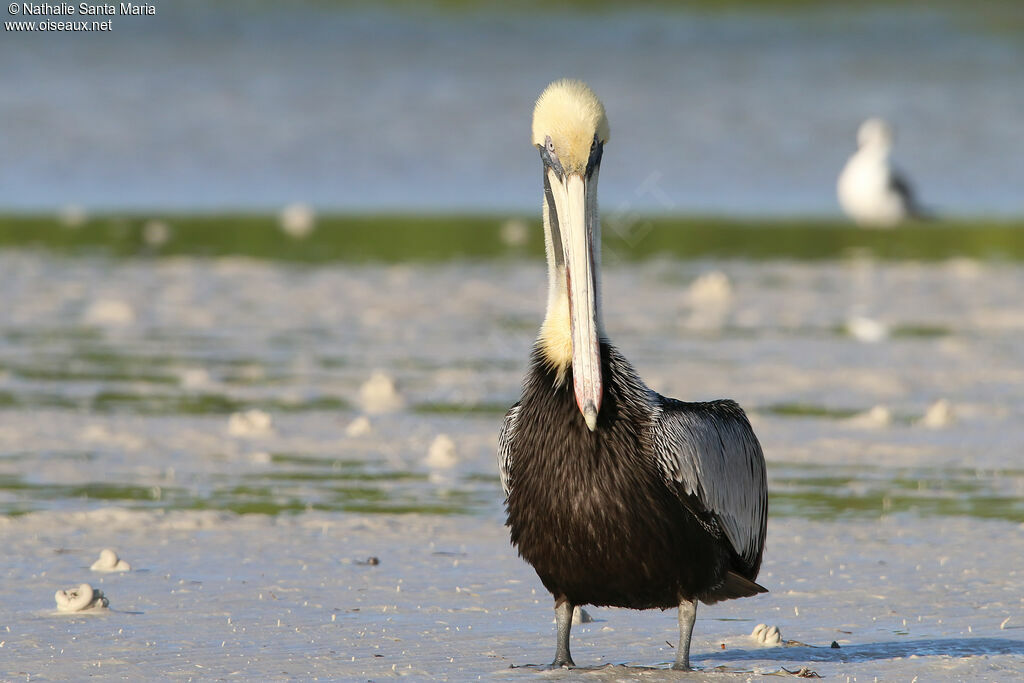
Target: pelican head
(876, 133)
(570, 129)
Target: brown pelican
(870, 190)
(616, 495)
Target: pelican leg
(563, 619)
(687, 615)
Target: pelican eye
(596, 149)
(547, 153)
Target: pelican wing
(505, 436)
(711, 450)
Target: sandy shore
(218, 596)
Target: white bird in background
(870, 191)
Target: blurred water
(127, 382)
(212, 105)
(121, 383)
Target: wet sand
(127, 391)
(220, 596)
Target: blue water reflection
(217, 105)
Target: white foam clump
(359, 427)
(579, 616)
(878, 416)
(99, 433)
(379, 394)
(80, 599)
(194, 378)
(297, 220)
(939, 414)
(72, 216)
(253, 422)
(109, 312)
(965, 268)
(110, 562)
(156, 233)
(442, 453)
(766, 635)
(710, 289)
(514, 232)
(867, 330)
(710, 300)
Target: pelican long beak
(576, 221)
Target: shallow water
(120, 380)
(252, 105)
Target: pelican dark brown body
(616, 495)
(592, 512)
